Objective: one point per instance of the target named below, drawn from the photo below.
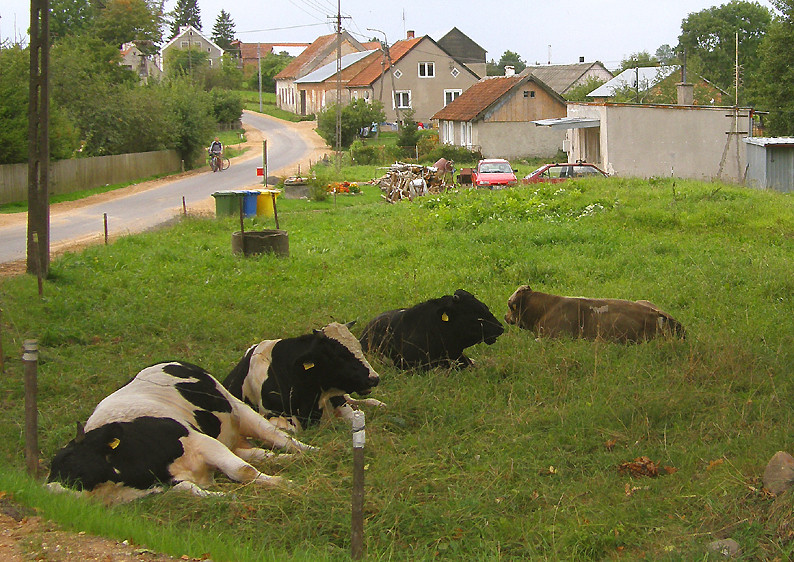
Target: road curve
(143, 209)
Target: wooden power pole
(38, 245)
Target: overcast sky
(540, 31)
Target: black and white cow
(173, 423)
(433, 333)
(297, 381)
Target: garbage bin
(249, 202)
(226, 203)
(264, 202)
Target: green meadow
(516, 458)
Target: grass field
(516, 458)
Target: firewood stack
(407, 181)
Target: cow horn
(80, 434)
(350, 324)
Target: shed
(770, 163)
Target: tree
(357, 115)
(579, 92)
(708, 38)
(223, 31)
(70, 17)
(509, 58)
(665, 54)
(122, 21)
(186, 12)
(188, 61)
(408, 133)
(637, 60)
(775, 92)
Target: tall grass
(515, 458)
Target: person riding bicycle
(216, 151)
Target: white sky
(606, 30)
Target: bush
(450, 152)
(368, 154)
(227, 106)
(408, 134)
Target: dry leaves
(643, 466)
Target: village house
(465, 50)
(658, 84)
(318, 89)
(191, 38)
(320, 52)
(249, 54)
(496, 116)
(144, 66)
(422, 76)
(685, 141)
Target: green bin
(227, 203)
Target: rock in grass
(729, 548)
(779, 473)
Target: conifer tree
(186, 12)
(223, 30)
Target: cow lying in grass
(295, 382)
(171, 424)
(579, 317)
(433, 333)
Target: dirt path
(253, 146)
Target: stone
(779, 473)
(727, 547)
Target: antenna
(549, 54)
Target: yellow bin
(264, 202)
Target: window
(398, 73)
(427, 70)
(402, 99)
(451, 95)
(529, 93)
(449, 132)
(184, 44)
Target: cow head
(338, 361)
(84, 463)
(515, 307)
(468, 319)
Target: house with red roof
(413, 74)
(320, 52)
(496, 116)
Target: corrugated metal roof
(770, 141)
(629, 78)
(293, 69)
(560, 77)
(569, 122)
(325, 72)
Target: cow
(296, 382)
(172, 424)
(616, 320)
(433, 333)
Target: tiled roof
(253, 50)
(372, 72)
(478, 98)
(296, 65)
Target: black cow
(433, 333)
(296, 381)
(173, 423)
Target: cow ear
(80, 432)
(456, 296)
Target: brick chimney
(410, 34)
(686, 93)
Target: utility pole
(384, 66)
(259, 60)
(38, 243)
(338, 85)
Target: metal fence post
(30, 357)
(357, 518)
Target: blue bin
(249, 202)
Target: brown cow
(608, 319)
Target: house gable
(190, 37)
(562, 77)
(465, 50)
(318, 53)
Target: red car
(555, 173)
(493, 172)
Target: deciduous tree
(774, 90)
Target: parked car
(493, 172)
(555, 173)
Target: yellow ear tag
(307, 366)
(444, 317)
(113, 444)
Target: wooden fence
(67, 176)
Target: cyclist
(216, 151)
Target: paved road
(139, 211)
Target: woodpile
(407, 181)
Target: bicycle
(218, 163)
